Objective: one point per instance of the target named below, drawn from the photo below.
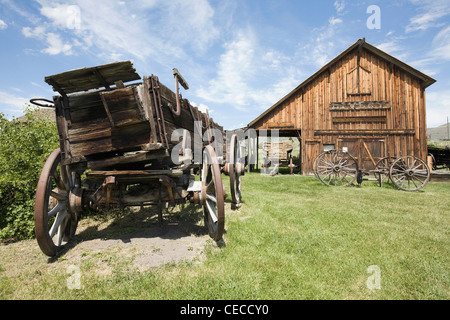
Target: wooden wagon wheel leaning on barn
(212, 194)
(409, 173)
(55, 217)
(335, 168)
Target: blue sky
(238, 56)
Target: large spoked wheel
(213, 207)
(409, 173)
(336, 168)
(235, 171)
(54, 224)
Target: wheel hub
(336, 169)
(410, 173)
(76, 200)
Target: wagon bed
(116, 118)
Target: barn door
(312, 150)
(366, 151)
(372, 150)
(352, 146)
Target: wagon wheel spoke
(423, 175)
(324, 174)
(328, 159)
(58, 181)
(211, 197)
(412, 180)
(399, 181)
(420, 180)
(59, 221)
(58, 196)
(56, 209)
(211, 211)
(344, 177)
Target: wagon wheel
(409, 173)
(235, 171)
(383, 165)
(53, 222)
(213, 207)
(336, 168)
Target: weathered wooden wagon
(340, 168)
(128, 145)
(278, 154)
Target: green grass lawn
(293, 238)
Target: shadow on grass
(178, 222)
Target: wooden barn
(364, 99)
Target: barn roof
(427, 81)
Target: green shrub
(24, 148)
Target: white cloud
(441, 45)
(37, 32)
(12, 103)
(63, 15)
(438, 53)
(202, 107)
(17, 6)
(332, 21)
(3, 25)
(190, 23)
(394, 48)
(147, 29)
(339, 5)
(56, 45)
(233, 71)
(432, 12)
(438, 107)
(320, 49)
(247, 78)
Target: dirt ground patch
(134, 237)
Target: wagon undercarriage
(336, 168)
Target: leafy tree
(24, 148)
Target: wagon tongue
(85, 79)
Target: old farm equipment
(116, 149)
(440, 156)
(339, 168)
(279, 154)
